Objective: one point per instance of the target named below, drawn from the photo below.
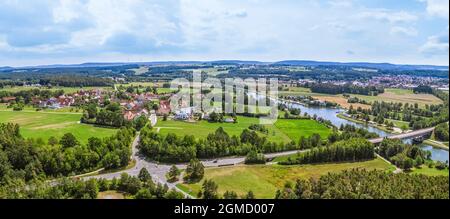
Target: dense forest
(363, 184)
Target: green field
(46, 124)
(265, 180)
(283, 131)
(430, 171)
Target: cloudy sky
(35, 32)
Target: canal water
(330, 114)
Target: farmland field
(265, 180)
(390, 95)
(46, 124)
(283, 130)
(402, 96)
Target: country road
(159, 171)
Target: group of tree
(111, 115)
(210, 191)
(355, 149)
(259, 128)
(28, 159)
(402, 155)
(329, 88)
(418, 118)
(140, 187)
(172, 148)
(363, 184)
(254, 157)
(441, 132)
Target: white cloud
(438, 8)
(436, 45)
(387, 15)
(407, 31)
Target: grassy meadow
(265, 180)
(283, 131)
(47, 124)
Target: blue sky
(36, 32)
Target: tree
(209, 190)
(140, 122)
(52, 141)
(145, 176)
(144, 193)
(173, 174)
(173, 194)
(249, 195)
(230, 195)
(68, 140)
(194, 171)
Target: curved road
(159, 171)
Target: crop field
(390, 95)
(283, 130)
(265, 180)
(47, 124)
(343, 102)
(402, 96)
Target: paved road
(159, 171)
(405, 135)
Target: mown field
(265, 180)
(47, 124)
(283, 130)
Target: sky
(41, 32)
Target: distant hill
(381, 66)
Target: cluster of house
(67, 100)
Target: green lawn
(283, 130)
(46, 124)
(265, 180)
(297, 128)
(430, 171)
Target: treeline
(171, 148)
(28, 159)
(329, 88)
(355, 149)
(136, 187)
(363, 184)
(75, 81)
